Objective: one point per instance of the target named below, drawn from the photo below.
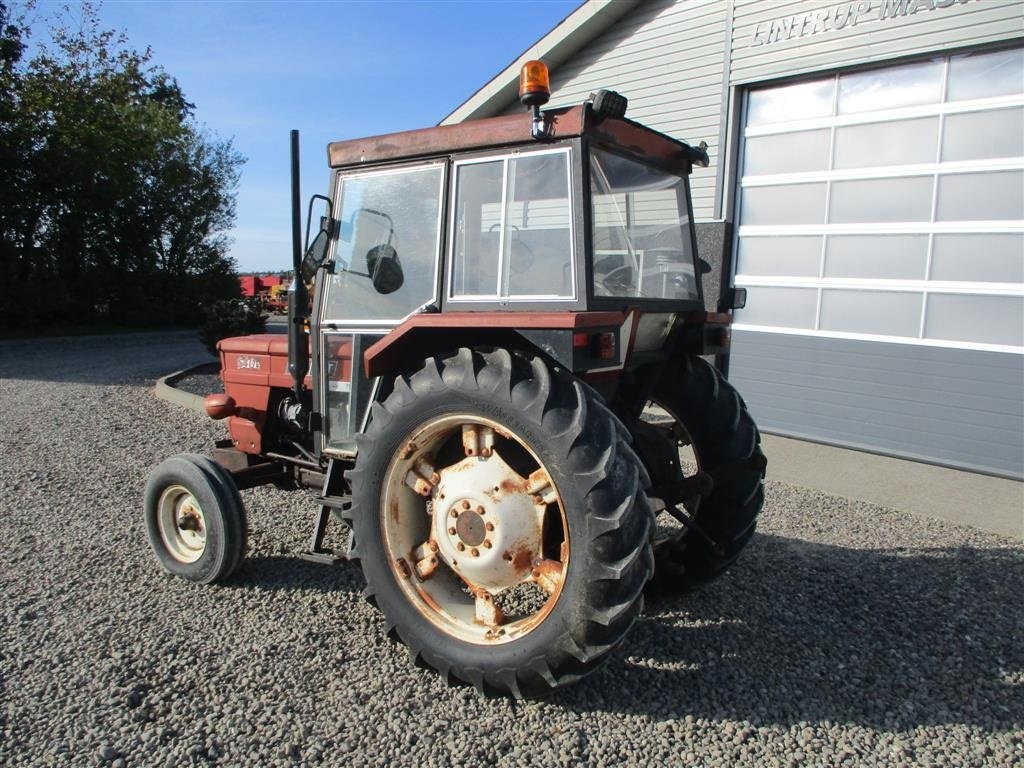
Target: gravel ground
(847, 634)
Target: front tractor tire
(194, 518)
(500, 521)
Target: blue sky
(334, 70)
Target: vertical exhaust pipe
(298, 296)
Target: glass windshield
(642, 246)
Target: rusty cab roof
(510, 130)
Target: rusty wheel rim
(474, 529)
(182, 524)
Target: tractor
(505, 352)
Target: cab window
(387, 248)
(512, 228)
(641, 234)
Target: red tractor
(490, 388)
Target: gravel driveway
(847, 634)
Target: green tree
(116, 204)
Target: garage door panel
(989, 196)
(895, 142)
(865, 428)
(980, 76)
(956, 371)
(951, 378)
(799, 256)
(862, 426)
(872, 201)
(789, 204)
(818, 383)
(892, 257)
(989, 257)
(983, 135)
(816, 387)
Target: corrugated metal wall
(668, 58)
(893, 27)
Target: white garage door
(881, 242)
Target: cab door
(385, 266)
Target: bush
(233, 317)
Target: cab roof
(512, 130)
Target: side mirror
(315, 256)
(385, 269)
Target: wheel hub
(182, 524)
(470, 528)
(490, 533)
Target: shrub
(232, 317)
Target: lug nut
(481, 511)
(460, 546)
(451, 531)
(487, 543)
(474, 552)
(489, 526)
(465, 504)
(433, 546)
(454, 513)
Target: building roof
(571, 34)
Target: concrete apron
(992, 504)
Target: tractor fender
(549, 334)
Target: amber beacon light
(534, 84)
(534, 91)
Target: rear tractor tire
(195, 519)
(500, 522)
(708, 413)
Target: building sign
(840, 16)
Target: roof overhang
(572, 33)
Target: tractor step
(332, 504)
(330, 507)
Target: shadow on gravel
(292, 573)
(810, 632)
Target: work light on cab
(534, 92)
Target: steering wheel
(619, 281)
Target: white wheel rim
(478, 547)
(182, 524)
